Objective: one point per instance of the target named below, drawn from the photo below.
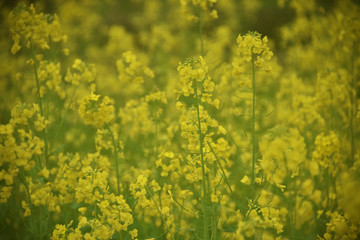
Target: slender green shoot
(253, 176)
(40, 101)
(161, 215)
(115, 157)
(204, 200)
(224, 176)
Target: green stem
(179, 221)
(23, 180)
(115, 158)
(37, 79)
(40, 223)
(327, 188)
(204, 200)
(161, 215)
(253, 127)
(40, 101)
(156, 135)
(223, 172)
(255, 200)
(63, 118)
(292, 205)
(291, 199)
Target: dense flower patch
(173, 119)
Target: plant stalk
(40, 102)
(161, 215)
(253, 127)
(204, 200)
(115, 158)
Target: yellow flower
(30, 62)
(192, 71)
(96, 110)
(25, 206)
(29, 28)
(133, 233)
(82, 210)
(251, 46)
(245, 180)
(59, 232)
(156, 96)
(44, 172)
(190, 8)
(82, 73)
(132, 69)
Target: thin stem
(255, 200)
(223, 172)
(181, 206)
(214, 228)
(156, 135)
(40, 101)
(37, 79)
(161, 215)
(63, 118)
(178, 224)
(23, 180)
(115, 158)
(291, 199)
(204, 200)
(40, 223)
(253, 127)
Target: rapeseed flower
(96, 110)
(29, 28)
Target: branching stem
(160, 212)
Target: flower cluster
(29, 28)
(82, 72)
(110, 213)
(132, 69)
(158, 96)
(195, 82)
(135, 115)
(251, 47)
(96, 110)
(340, 227)
(138, 190)
(49, 75)
(191, 8)
(101, 153)
(266, 218)
(282, 156)
(169, 164)
(326, 152)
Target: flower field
(180, 119)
